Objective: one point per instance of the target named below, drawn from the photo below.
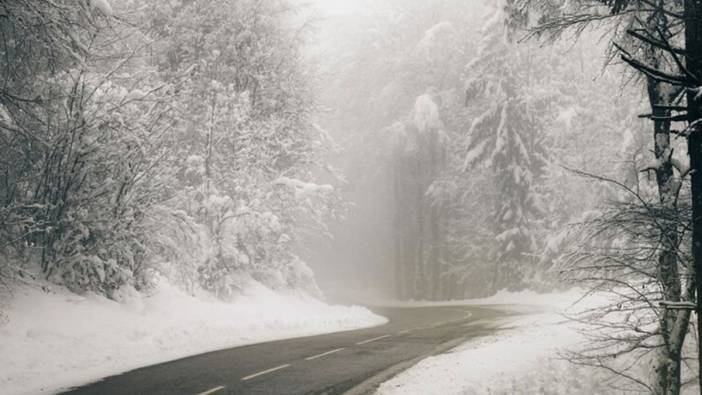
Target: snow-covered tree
(419, 157)
(644, 36)
(243, 121)
(156, 145)
(33, 55)
(76, 198)
(507, 138)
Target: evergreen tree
(506, 138)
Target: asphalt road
(344, 362)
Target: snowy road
(325, 364)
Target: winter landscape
(350, 197)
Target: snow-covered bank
(54, 340)
(524, 357)
(546, 301)
(523, 360)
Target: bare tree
(620, 256)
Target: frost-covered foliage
(507, 138)
(620, 258)
(523, 129)
(243, 144)
(80, 150)
(30, 52)
(419, 154)
(157, 145)
(565, 135)
(638, 256)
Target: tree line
(467, 136)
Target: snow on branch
(691, 128)
(654, 165)
(474, 154)
(304, 189)
(103, 6)
(683, 168)
(426, 113)
(435, 34)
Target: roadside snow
(523, 357)
(58, 339)
(525, 299)
(523, 360)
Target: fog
(376, 61)
(344, 46)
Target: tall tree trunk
(673, 323)
(693, 55)
(434, 217)
(209, 147)
(420, 275)
(398, 232)
(413, 218)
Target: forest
(156, 139)
(409, 150)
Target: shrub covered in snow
(158, 164)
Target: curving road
(344, 362)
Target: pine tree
(506, 138)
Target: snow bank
(54, 340)
(523, 357)
(518, 361)
(516, 300)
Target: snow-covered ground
(522, 358)
(58, 339)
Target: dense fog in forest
(386, 68)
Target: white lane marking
(212, 391)
(324, 354)
(261, 373)
(372, 340)
(405, 331)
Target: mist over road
(334, 363)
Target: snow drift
(523, 357)
(57, 339)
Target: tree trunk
(403, 225)
(434, 261)
(693, 55)
(209, 149)
(398, 232)
(673, 323)
(420, 275)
